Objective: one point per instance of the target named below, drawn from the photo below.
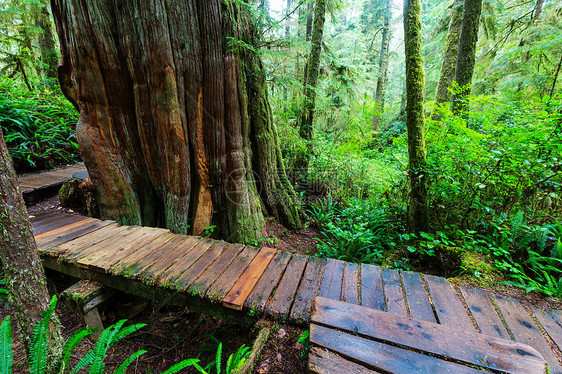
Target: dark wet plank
(71, 234)
(350, 284)
(551, 325)
(333, 278)
(372, 295)
(322, 361)
(447, 303)
(58, 223)
(394, 297)
(417, 297)
(280, 304)
(308, 290)
(484, 313)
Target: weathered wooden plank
(333, 278)
(525, 330)
(446, 342)
(257, 299)
(372, 295)
(484, 313)
(280, 304)
(350, 284)
(226, 280)
(182, 259)
(236, 297)
(60, 222)
(448, 306)
(308, 290)
(107, 247)
(48, 235)
(203, 282)
(75, 246)
(322, 361)
(155, 262)
(125, 266)
(104, 262)
(43, 219)
(44, 245)
(393, 295)
(552, 326)
(381, 356)
(417, 297)
(182, 279)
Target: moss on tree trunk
(415, 123)
(172, 113)
(25, 280)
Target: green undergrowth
(38, 126)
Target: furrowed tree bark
(25, 280)
(311, 79)
(447, 74)
(167, 93)
(415, 123)
(383, 67)
(467, 54)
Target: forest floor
(173, 334)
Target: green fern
(129, 361)
(182, 365)
(39, 351)
(6, 346)
(71, 345)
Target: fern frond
(105, 339)
(128, 331)
(129, 361)
(219, 358)
(84, 362)
(183, 364)
(71, 345)
(6, 346)
(39, 352)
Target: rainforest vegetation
(432, 146)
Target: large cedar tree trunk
(175, 126)
(467, 53)
(415, 123)
(311, 78)
(443, 93)
(383, 67)
(25, 280)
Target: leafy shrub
(38, 127)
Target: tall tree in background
(46, 40)
(175, 125)
(467, 53)
(415, 123)
(24, 275)
(311, 78)
(447, 74)
(383, 68)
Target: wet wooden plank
(308, 290)
(372, 295)
(224, 283)
(322, 361)
(104, 262)
(350, 284)
(484, 313)
(448, 306)
(333, 278)
(134, 259)
(159, 260)
(525, 330)
(431, 338)
(280, 304)
(236, 297)
(108, 247)
(57, 223)
(47, 235)
(184, 279)
(393, 295)
(202, 283)
(388, 358)
(75, 233)
(74, 247)
(42, 219)
(551, 325)
(259, 296)
(184, 257)
(417, 297)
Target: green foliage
(358, 231)
(233, 364)
(38, 127)
(304, 339)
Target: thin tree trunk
(415, 123)
(555, 78)
(24, 275)
(467, 54)
(382, 74)
(47, 45)
(167, 93)
(287, 19)
(443, 93)
(309, 19)
(312, 71)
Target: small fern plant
(93, 360)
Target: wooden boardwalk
(210, 274)
(34, 186)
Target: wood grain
(50, 242)
(322, 361)
(484, 313)
(552, 326)
(308, 290)
(448, 306)
(372, 294)
(350, 284)
(333, 278)
(394, 297)
(417, 297)
(280, 304)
